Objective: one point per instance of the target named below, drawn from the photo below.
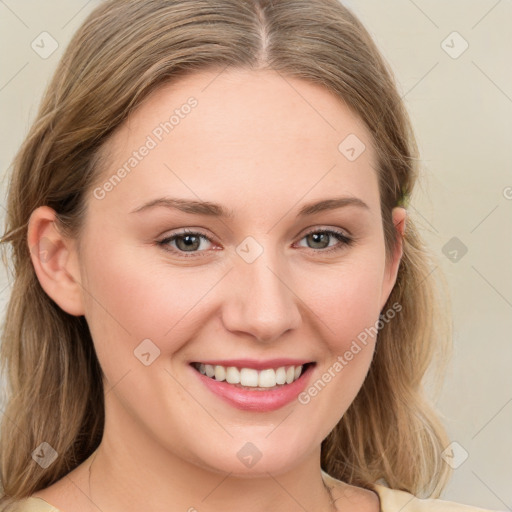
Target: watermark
(45, 250)
(44, 45)
(249, 249)
(146, 352)
(454, 249)
(454, 45)
(44, 455)
(352, 147)
(454, 455)
(249, 454)
(507, 192)
(152, 140)
(343, 360)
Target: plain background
(460, 101)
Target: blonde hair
(122, 52)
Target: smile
(250, 377)
(266, 388)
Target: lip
(254, 400)
(256, 364)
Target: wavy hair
(124, 51)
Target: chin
(247, 461)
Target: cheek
(347, 303)
(128, 301)
(346, 300)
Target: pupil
(317, 238)
(190, 241)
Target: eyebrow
(216, 210)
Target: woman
(219, 303)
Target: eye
(189, 241)
(320, 239)
(186, 241)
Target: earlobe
(55, 261)
(399, 217)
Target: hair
(124, 51)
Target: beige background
(461, 106)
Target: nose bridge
(261, 303)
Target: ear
(55, 261)
(399, 215)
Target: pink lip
(254, 400)
(257, 365)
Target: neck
(131, 470)
(118, 481)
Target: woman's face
(265, 285)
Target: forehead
(234, 132)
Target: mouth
(264, 379)
(257, 386)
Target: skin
(262, 148)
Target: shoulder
(393, 500)
(33, 505)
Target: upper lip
(255, 363)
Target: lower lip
(254, 400)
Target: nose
(261, 302)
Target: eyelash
(345, 240)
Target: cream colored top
(390, 501)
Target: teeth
(220, 373)
(232, 375)
(281, 375)
(250, 377)
(267, 379)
